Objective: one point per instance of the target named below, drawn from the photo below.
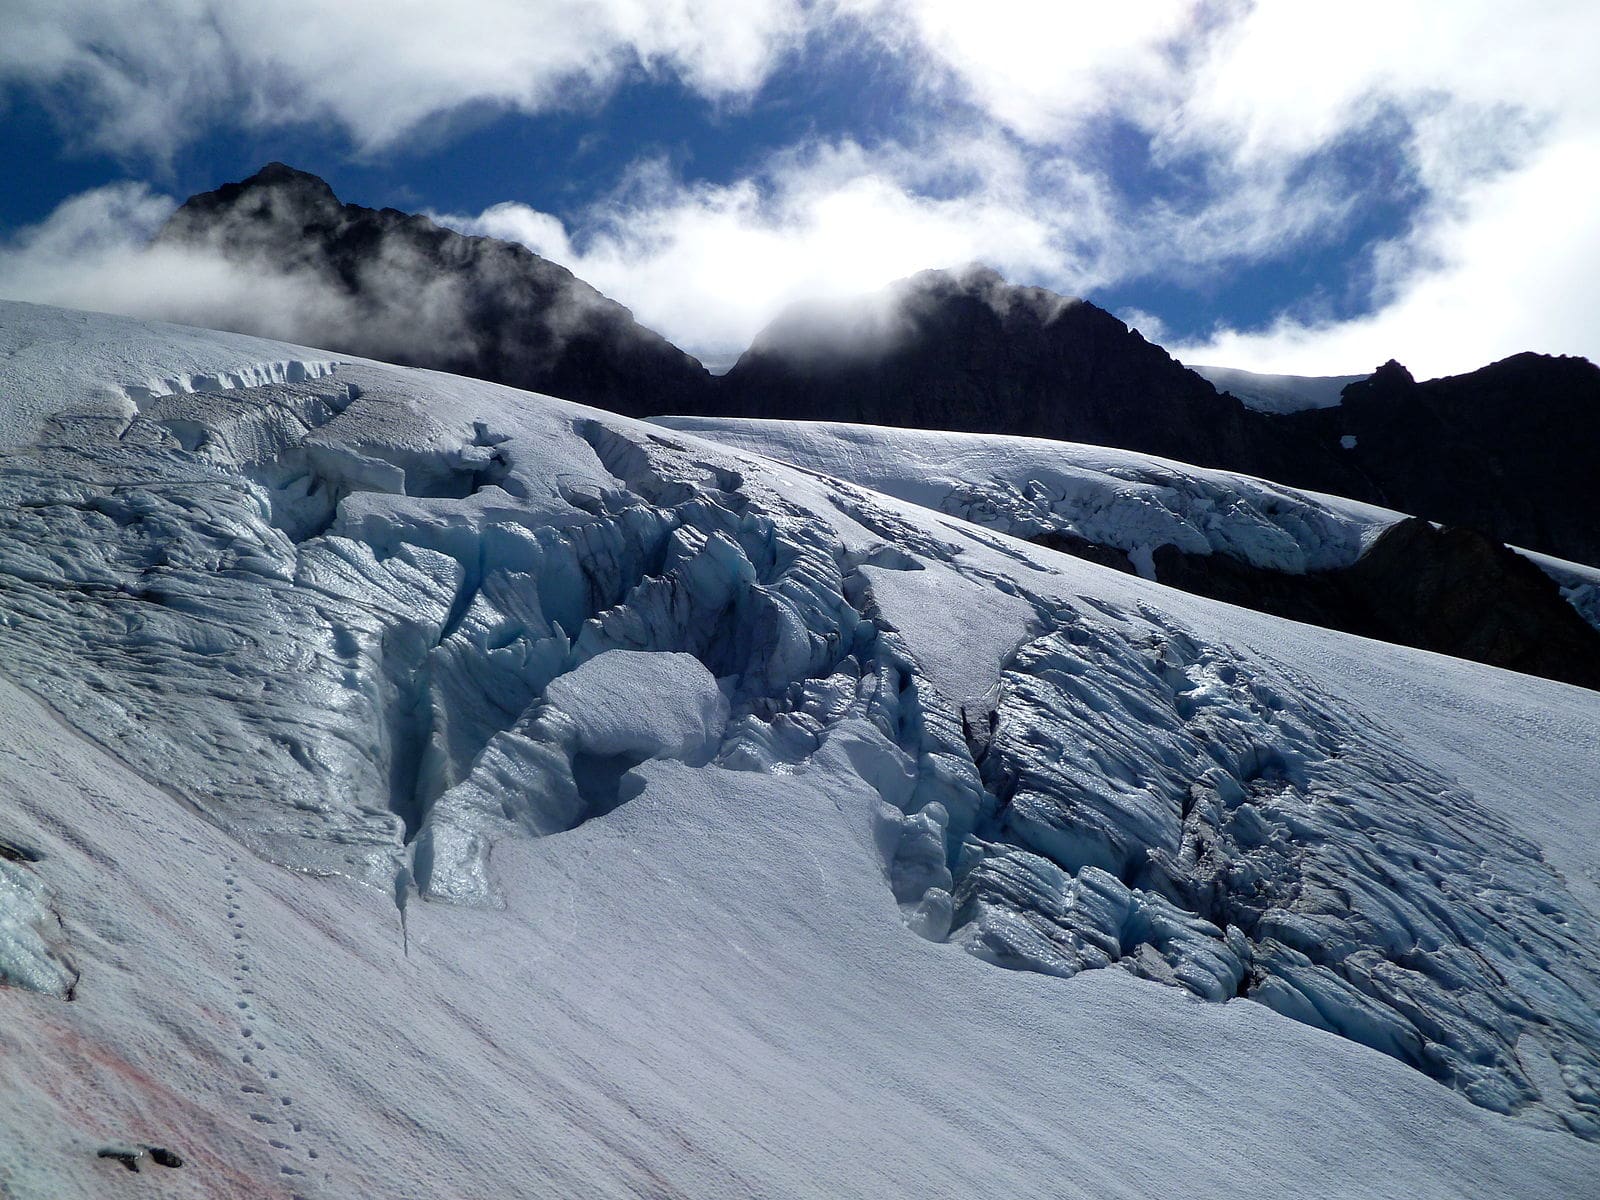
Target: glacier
(1040, 490)
(423, 787)
(1029, 487)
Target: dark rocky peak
(1391, 377)
(972, 304)
(281, 175)
(1020, 305)
(1512, 448)
(1389, 384)
(278, 180)
(1559, 373)
(398, 286)
(965, 350)
(253, 209)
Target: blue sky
(1250, 183)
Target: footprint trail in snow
(271, 1106)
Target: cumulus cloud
(1512, 268)
(708, 265)
(148, 77)
(1042, 67)
(1489, 104)
(1254, 126)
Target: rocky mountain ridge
(399, 287)
(1509, 449)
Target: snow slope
(1278, 393)
(1028, 486)
(101, 363)
(423, 788)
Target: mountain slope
(1300, 555)
(966, 351)
(383, 282)
(452, 790)
(1509, 449)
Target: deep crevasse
(349, 648)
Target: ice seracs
(32, 953)
(1029, 487)
(701, 724)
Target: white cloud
(1515, 269)
(708, 266)
(148, 77)
(1285, 78)
(1042, 66)
(510, 221)
(1486, 105)
(1503, 137)
(1492, 103)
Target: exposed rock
(400, 287)
(1451, 590)
(131, 1156)
(1067, 543)
(1511, 449)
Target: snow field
(689, 738)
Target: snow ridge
(1028, 487)
(247, 376)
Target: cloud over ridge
(1252, 125)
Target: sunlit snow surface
(1026, 487)
(1279, 393)
(696, 745)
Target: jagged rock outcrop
(966, 351)
(1512, 448)
(397, 286)
(1451, 590)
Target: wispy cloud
(96, 252)
(1509, 265)
(1234, 110)
(149, 77)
